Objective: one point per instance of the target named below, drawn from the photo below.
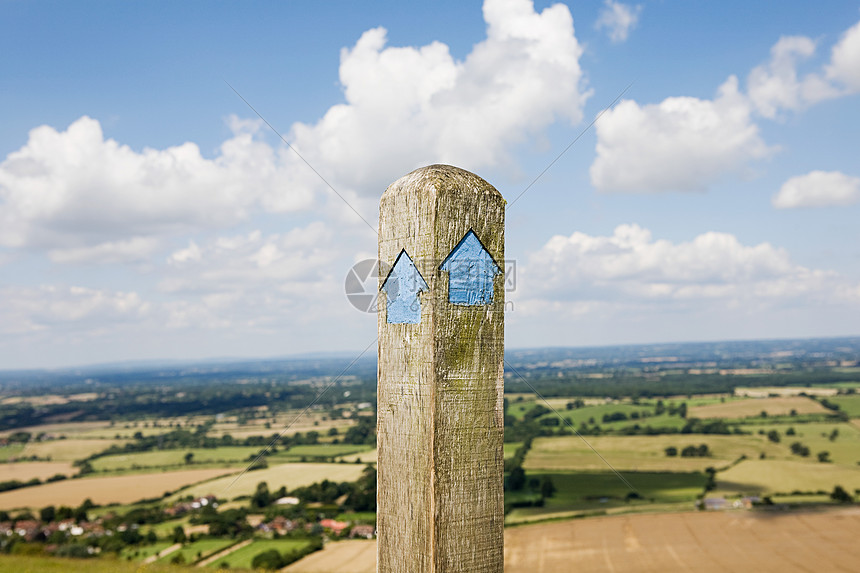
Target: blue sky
(146, 212)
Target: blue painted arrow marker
(471, 270)
(401, 288)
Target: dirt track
(702, 542)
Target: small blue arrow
(471, 270)
(401, 288)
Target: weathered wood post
(440, 381)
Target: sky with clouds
(147, 212)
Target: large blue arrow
(471, 270)
(401, 288)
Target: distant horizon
(347, 355)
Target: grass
(643, 453)
(511, 448)
(290, 476)
(785, 476)
(40, 564)
(595, 491)
(165, 528)
(845, 449)
(10, 451)
(200, 549)
(244, 556)
(751, 407)
(358, 517)
(140, 553)
(848, 404)
(321, 451)
(229, 456)
(69, 450)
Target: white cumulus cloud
(818, 189)
(680, 144)
(88, 198)
(618, 19)
(410, 106)
(631, 266)
(844, 67)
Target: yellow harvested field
(673, 542)
(65, 428)
(755, 406)
(786, 476)
(104, 490)
(765, 391)
(289, 475)
(701, 542)
(352, 556)
(643, 453)
(68, 450)
(363, 457)
(24, 471)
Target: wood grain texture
(440, 384)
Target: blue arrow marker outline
(401, 309)
(479, 293)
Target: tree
(547, 488)
(824, 457)
(262, 497)
(671, 451)
(517, 478)
(773, 436)
(840, 495)
(790, 431)
(834, 434)
(270, 560)
(189, 457)
(47, 514)
(682, 410)
(179, 534)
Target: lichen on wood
(440, 422)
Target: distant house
(336, 527)
(289, 500)
(715, 503)
(363, 531)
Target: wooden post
(440, 381)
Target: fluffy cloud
(844, 67)
(91, 199)
(408, 106)
(67, 309)
(680, 144)
(775, 85)
(631, 267)
(618, 19)
(254, 280)
(818, 189)
(687, 144)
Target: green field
(644, 453)
(319, 451)
(133, 553)
(244, 556)
(844, 449)
(358, 517)
(511, 448)
(38, 564)
(849, 404)
(785, 476)
(595, 491)
(200, 549)
(203, 457)
(10, 451)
